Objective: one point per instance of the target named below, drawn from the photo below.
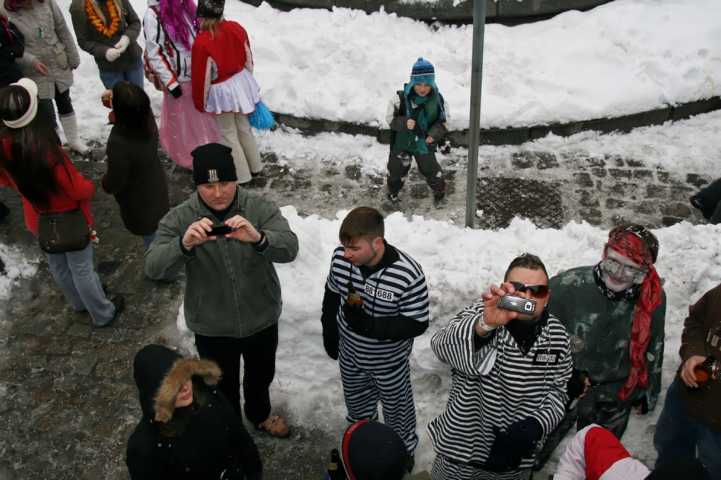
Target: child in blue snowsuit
(417, 116)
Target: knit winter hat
(423, 72)
(373, 451)
(213, 163)
(211, 8)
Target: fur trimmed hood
(160, 374)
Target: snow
(17, 266)
(459, 264)
(692, 145)
(622, 57)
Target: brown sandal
(274, 426)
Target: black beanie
(210, 8)
(373, 451)
(685, 469)
(213, 163)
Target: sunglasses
(538, 291)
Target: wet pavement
(67, 399)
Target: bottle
(354, 298)
(708, 371)
(335, 470)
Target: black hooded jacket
(206, 440)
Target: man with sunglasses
(508, 385)
(614, 312)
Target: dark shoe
(438, 197)
(4, 212)
(119, 302)
(698, 204)
(411, 463)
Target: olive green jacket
(231, 289)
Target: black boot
(4, 212)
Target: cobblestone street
(67, 398)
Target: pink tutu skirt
(183, 127)
(237, 94)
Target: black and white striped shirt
(395, 289)
(497, 385)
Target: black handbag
(63, 232)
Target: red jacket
(228, 48)
(74, 191)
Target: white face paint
(619, 272)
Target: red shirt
(227, 49)
(74, 191)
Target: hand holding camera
(242, 230)
(493, 313)
(203, 230)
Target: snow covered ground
(459, 264)
(619, 58)
(17, 266)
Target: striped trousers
(446, 469)
(364, 387)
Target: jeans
(75, 274)
(258, 352)
(133, 75)
(682, 437)
(148, 239)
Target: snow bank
(692, 145)
(622, 57)
(459, 263)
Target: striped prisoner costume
(374, 365)
(494, 384)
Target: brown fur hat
(182, 371)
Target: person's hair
(526, 260)
(15, 5)
(132, 110)
(209, 24)
(176, 17)
(34, 149)
(361, 222)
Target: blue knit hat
(423, 72)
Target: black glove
(177, 92)
(577, 384)
(510, 447)
(330, 339)
(357, 320)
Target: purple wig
(175, 16)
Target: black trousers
(62, 101)
(399, 163)
(258, 352)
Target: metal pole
(474, 127)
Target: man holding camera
(510, 362)
(690, 423)
(228, 240)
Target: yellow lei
(99, 23)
